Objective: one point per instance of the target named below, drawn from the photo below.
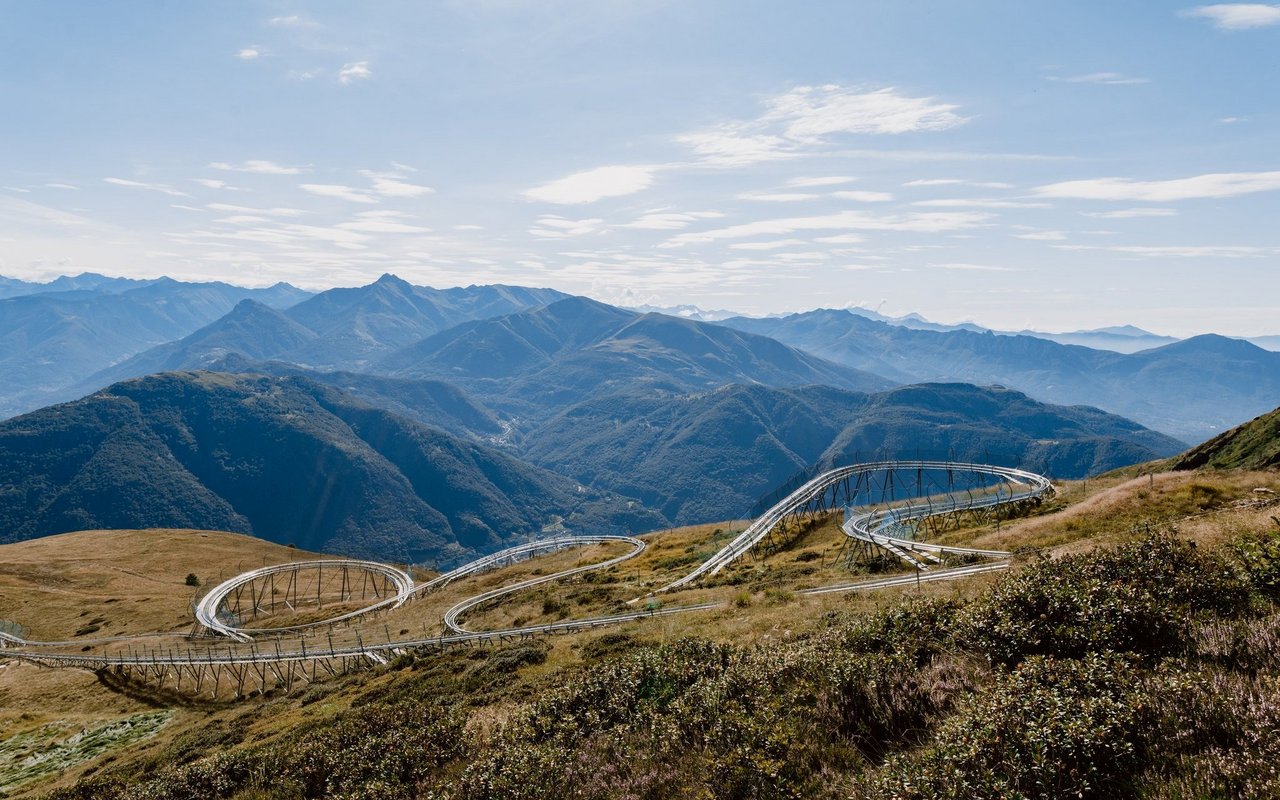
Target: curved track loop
(869, 526)
(451, 616)
(241, 652)
(210, 614)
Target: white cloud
(392, 184)
(155, 187)
(773, 245)
(973, 267)
(864, 197)
(291, 21)
(1132, 213)
(355, 71)
(1216, 185)
(468, 227)
(552, 227)
(805, 116)
(727, 146)
(843, 238)
(978, 202)
(258, 166)
(1106, 78)
(211, 183)
(1177, 251)
(959, 182)
(1231, 120)
(1042, 236)
(248, 54)
(830, 180)
(338, 191)
(810, 113)
(802, 257)
(670, 221)
(61, 186)
(274, 212)
(935, 222)
(1237, 16)
(593, 185)
(381, 225)
(778, 197)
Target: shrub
(1139, 597)
(192, 580)
(1052, 728)
(1259, 557)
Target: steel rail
(818, 485)
(868, 526)
(207, 609)
(451, 616)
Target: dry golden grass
(134, 581)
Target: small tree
(192, 580)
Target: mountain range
(284, 459)
(63, 344)
(52, 339)
(1190, 389)
(412, 423)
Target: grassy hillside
(1146, 667)
(287, 459)
(1253, 445)
(712, 455)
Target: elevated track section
(891, 506)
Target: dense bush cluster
(1150, 669)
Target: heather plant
(1137, 597)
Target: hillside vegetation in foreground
(1144, 666)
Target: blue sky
(1057, 165)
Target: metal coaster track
(245, 661)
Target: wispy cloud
(382, 222)
(777, 197)
(807, 116)
(339, 191)
(354, 71)
(292, 21)
(826, 180)
(809, 113)
(978, 202)
(863, 196)
(1214, 185)
(1181, 251)
(249, 54)
(973, 267)
(550, 226)
(1106, 78)
(392, 184)
(593, 184)
(1237, 16)
(258, 166)
(154, 187)
(1132, 213)
(670, 221)
(929, 222)
(1042, 236)
(213, 183)
(770, 245)
(273, 212)
(958, 182)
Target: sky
(1048, 165)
